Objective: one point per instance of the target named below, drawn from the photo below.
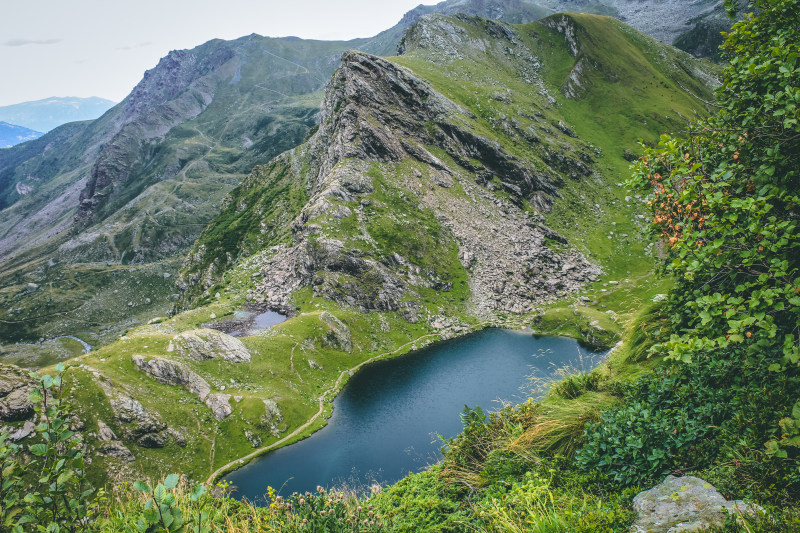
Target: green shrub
(691, 416)
(44, 483)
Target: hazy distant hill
(11, 135)
(44, 115)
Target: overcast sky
(102, 47)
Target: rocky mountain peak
(174, 73)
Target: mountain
(694, 27)
(11, 135)
(49, 113)
(473, 180)
(112, 205)
(113, 201)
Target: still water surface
(386, 420)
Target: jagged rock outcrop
(338, 335)
(173, 373)
(683, 504)
(202, 344)
(146, 429)
(377, 112)
(272, 419)
(220, 405)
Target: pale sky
(102, 47)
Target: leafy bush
(726, 200)
(44, 484)
(691, 416)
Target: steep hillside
(458, 185)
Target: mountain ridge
(138, 186)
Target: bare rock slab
(202, 344)
(683, 504)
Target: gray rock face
(682, 504)
(220, 405)
(147, 429)
(172, 373)
(338, 335)
(202, 344)
(272, 419)
(14, 389)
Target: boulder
(338, 334)
(681, 504)
(105, 433)
(220, 405)
(118, 450)
(273, 418)
(145, 428)
(14, 389)
(19, 433)
(173, 373)
(202, 344)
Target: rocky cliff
(406, 189)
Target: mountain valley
(439, 194)
(563, 215)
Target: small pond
(246, 323)
(387, 419)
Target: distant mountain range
(44, 115)
(11, 135)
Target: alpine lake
(392, 415)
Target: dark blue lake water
(386, 420)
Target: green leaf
(39, 449)
(142, 486)
(159, 493)
(172, 481)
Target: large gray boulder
(338, 335)
(202, 344)
(172, 373)
(682, 504)
(14, 389)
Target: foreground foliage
(726, 201)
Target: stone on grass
(682, 504)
